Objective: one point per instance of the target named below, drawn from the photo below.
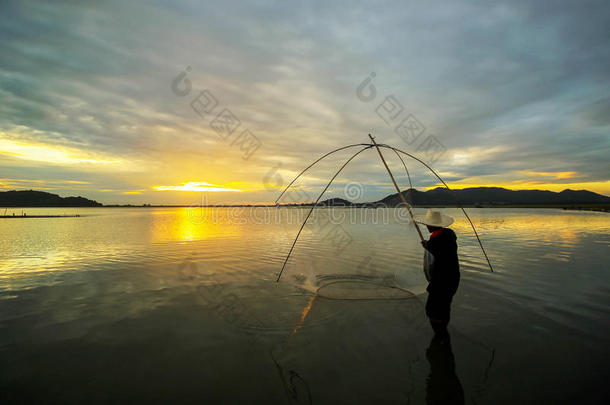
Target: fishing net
(377, 282)
(371, 256)
(356, 286)
(360, 287)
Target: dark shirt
(445, 271)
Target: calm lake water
(179, 305)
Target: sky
(189, 102)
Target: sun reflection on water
(192, 223)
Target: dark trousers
(438, 305)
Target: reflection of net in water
(357, 274)
(360, 287)
(361, 283)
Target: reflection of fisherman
(443, 385)
(441, 268)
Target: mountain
(336, 202)
(495, 196)
(31, 198)
(486, 196)
(477, 196)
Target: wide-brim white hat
(434, 218)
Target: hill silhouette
(32, 198)
(477, 196)
(487, 196)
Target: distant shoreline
(477, 197)
(578, 207)
(40, 216)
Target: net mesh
(380, 260)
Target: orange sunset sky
(173, 104)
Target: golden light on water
(190, 224)
(304, 313)
(566, 228)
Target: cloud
(43, 153)
(505, 87)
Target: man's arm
(433, 245)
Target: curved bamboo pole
(396, 150)
(314, 206)
(402, 197)
(405, 166)
(320, 158)
(330, 153)
(456, 199)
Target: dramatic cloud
(515, 93)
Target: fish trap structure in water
(361, 285)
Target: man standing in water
(441, 268)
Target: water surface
(181, 305)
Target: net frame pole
(456, 199)
(315, 204)
(402, 197)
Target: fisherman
(441, 268)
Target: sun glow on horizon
(554, 175)
(195, 186)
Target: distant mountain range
(31, 198)
(481, 196)
(495, 196)
(476, 196)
